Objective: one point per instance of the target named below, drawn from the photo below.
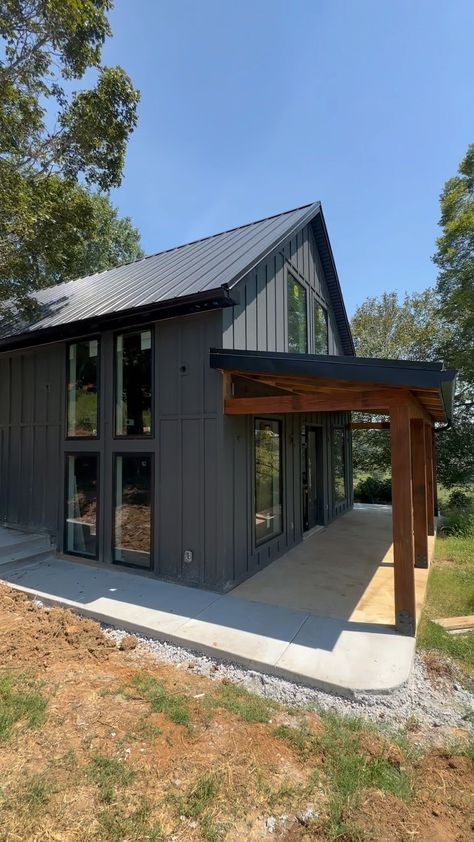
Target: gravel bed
(428, 706)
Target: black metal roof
(187, 274)
(411, 374)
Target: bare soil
(216, 777)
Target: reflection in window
(320, 329)
(297, 326)
(268, 487)
(339, 465)
(133, 384)
(81, 504)
(132, 528)
(82, 377)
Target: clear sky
(252, 107)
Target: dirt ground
(129, 749)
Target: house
(189, 414)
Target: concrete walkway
(325, 652)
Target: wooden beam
(430, 479)
(435, 472)
(418, 476)
(370, 425)
(402, 520)
(378, 400)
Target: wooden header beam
(370, 425)
(376, 400)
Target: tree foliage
(455, 260)
(414, 329)
(57, 144)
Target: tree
(455, 259)
(413, 329)
(56, 143)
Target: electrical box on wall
(188, 556)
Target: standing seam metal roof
(197, 267)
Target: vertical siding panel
(251, 310)
(211, 573)
(169, 495)
(262, 309)
(192, 498)
(271, 306)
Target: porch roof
(308, 382)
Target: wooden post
(435, 477)
(402, 518)
(420, 503)
(430, 480)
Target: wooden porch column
(430, 479)
(420, 503)
(435, 474)
(402, 517)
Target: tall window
(132, 513)
(82, 382)
(268, 484)
(81, 504)
(297, 317)
(133, 360)
(321, 344)
(339, 465)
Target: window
(297, 318)
(339, 465)
(321, 345)
(132, 510)
(82, 382)
(133, 366)
(268, 485)
(81, 504)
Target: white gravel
(432, 707)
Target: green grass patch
(302, 740)
(175, 706)
(34, 794)
(20, 702)
(246, 706)
(450, 593)
(197, 799)
(138, 826)
(109, 775)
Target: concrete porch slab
(320, 652)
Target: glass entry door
(312, 477)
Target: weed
(246, 706)
(145, 730)
(109, 774)
(34, 794)
(303, 741)
(19, 701)
(173, 705)
(115, 826)
(198, 798)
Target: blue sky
(253, 107)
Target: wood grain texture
(419, 490)
(402, 520)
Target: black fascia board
(389, 372)
(186, 305)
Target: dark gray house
(189, 413)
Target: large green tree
(413, 328)
(59, 145)
(455, 260)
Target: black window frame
(260, 542)
(80, 453)
(94, 338)
(324, 310)
(291, 276)
(136, 436)
(139, 455)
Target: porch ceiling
(309, 383)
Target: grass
(246, 706)
(109, 775)
(138, 826)
(198, 798)
(450, 593)
(175, 706)
(20, 702)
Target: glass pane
(132, 532)
(268, 502)
(133, 384)
(297, 327)
(83, 371)
(320, 329)
(339, 466)
(81, 505)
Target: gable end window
(297, 317)
(321, 334)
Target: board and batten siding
(31, 434)
(258, 322)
